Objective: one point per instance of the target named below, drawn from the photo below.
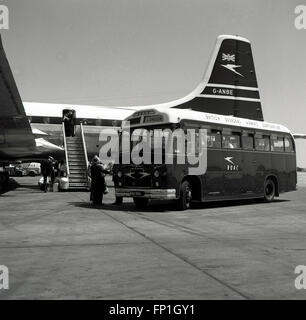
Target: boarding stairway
(76, 160)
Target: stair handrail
(65, 146)
(84, 144)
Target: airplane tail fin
(229, 85)
(15, 129)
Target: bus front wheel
(185, 196)
(269, 190)
(141, 203)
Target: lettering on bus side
(136, 147)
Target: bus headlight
(119, 174)
(156, 174)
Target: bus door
(249, 161)
(278, 160)
(263, 159)
(214, 184)
(232, 162)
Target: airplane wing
(299, 136)
(15, 130)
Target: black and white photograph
(152, 151)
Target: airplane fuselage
(46, 124)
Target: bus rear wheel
(141, 203)
(269, 190)
(184, 202)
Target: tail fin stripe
(218, 91)
(231, 87)
(228, 98)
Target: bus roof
(173, 115)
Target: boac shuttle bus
(245, 159)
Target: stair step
(77, 167)
(78, 173)
(78, 177)
(76, 157)
(77, 162)
(79, 155)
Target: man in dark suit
(98, 185)
(47, 170)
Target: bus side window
(231, 141)
(214, 139)
(289, 146)
(262, 143)
(277, 144)
(248, 142)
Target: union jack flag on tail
(228, 57)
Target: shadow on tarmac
(12, 185)
(165, 206)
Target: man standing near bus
(47, 170)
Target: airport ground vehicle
(245, 159)
(28, 169)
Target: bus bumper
(146, 193)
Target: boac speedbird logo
(232, 166)
(229, 159)
(232, 67)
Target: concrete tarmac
(57, 246)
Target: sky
(139, 52)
